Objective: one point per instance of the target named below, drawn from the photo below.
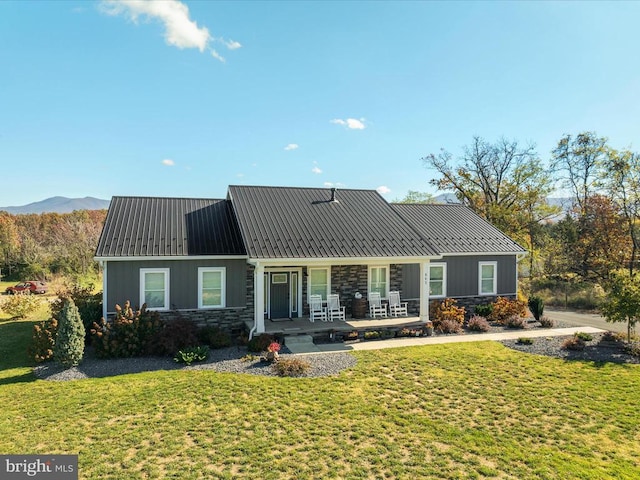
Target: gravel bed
(228, 360)
(596, 350)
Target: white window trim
(223, 281)
(444, 279)
(325, 296)
(495, 278)
(167, 282)
(387, 280)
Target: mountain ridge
(58, 204)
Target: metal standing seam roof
(453, 228)
(284, 222)
(151, 226)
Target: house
(257, 255)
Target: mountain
(59, 205)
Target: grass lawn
(475, 410)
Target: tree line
(509, 185)
(37, 246)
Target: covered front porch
(302, 325)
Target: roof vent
(333, 195)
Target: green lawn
(474, 410)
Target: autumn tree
(503, 182)
(622, 183)
(415, 196)
(9, 241)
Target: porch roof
(304, 223)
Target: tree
(622, 303)
(9, 240)
(414, 196)
(502, 182)
(578, 160)
(69, 344)
(622, 181)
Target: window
(379, 280)
(154, 288)
(211, 291)
(319, 282)
(438, 280)
(294, 292)
(488, 280)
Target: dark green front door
(279, 291)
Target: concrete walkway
(439, 339)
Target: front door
(279, 293)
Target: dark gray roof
(143, 226)
(282, 222)
(454, 228)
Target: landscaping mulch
(598, 350)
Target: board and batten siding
(123, 282)
(462, 276)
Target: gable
(150, 226)
(282, 222)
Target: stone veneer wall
(231, 319)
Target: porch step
(300, 343)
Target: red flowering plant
(273, 347)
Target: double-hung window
(154, 288)
(211, 287)
(319, 282)
(488, 278)
(437, 280)
(379, 280)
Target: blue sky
(186, 98)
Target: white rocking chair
(396, 307)
(334, 308)
(316, 310)
(376, 308)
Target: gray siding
(124, 281)
(462, 276)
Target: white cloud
(180, 30)
(240, 175)
(231, 44)
(350, 123)
(292, 146)
(383, 190)
(316, 170)
(332, 184)
(168, 162)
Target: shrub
(503, 309)
(633, 349)
(291, 367)
(546, 322)
(20, 305)
(273, 347)
(478, 324)
(89, 305)
(584, 336)
(573, 343)
(260, 343)
(128, 335)
(536, 307)
(69, 343)
(173, 336)
(446, 311)
(448, 326)
(192, 354)
(371, 335)
(42, 340)
(483, 310)
(524, 341)
(516, 321)
(215, 337)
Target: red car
(27, 287)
